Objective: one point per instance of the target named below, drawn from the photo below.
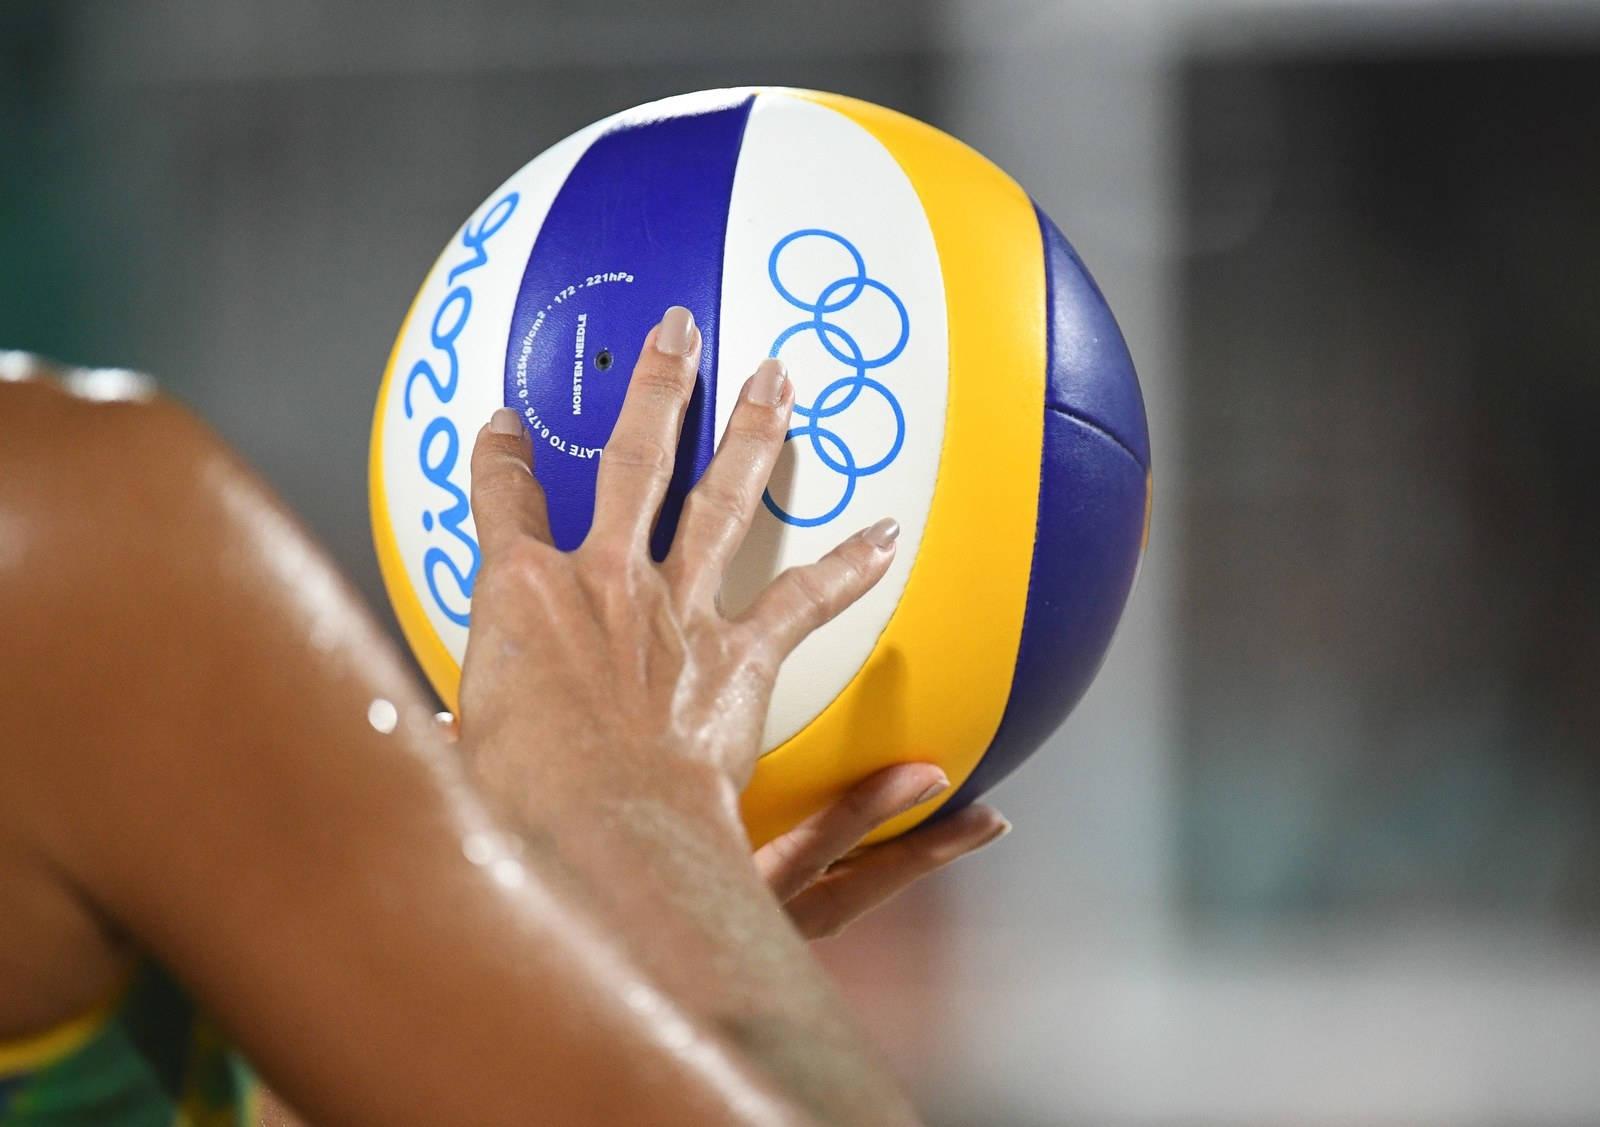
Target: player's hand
(597, 677)
(825, 883)
(819, 876)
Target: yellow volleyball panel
(935, 685)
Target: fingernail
(999, 832)
(883, 534)
(934, 790)
(766, 386)
(505, 421)
(676, 332)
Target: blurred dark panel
(1392, 503)
(62, 261)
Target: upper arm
(193, 682)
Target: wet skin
(556, 919)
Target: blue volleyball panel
(637, 227)
(1091, 528)
(1090, 373)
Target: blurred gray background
(1321, 846)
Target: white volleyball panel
(448, 377)
(830, 264)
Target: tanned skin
(558, 918)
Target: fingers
(790, 862)
(507, 500)
(718, 511)
(876, 875)
(803, 598)
(637, 461)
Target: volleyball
(954, 364)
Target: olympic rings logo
(841, 394)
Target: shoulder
(112, 497)
(69, 460)
(127, 532)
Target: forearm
(623, 699)
(669, 868)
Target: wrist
(552, 795)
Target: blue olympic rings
(838, 396)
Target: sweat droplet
(383, 715)
(479, 848)
(18, 366)
(109, 385)
(507, 873)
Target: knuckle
(852, 565)
(523, 560)
(669, 379)
(719, 500)
(682, 595)
(494, 449)
(678, 573)
(859, 564)
(753, 642)
(763, 663)
(498, 479)
(639, 452)
(860, 804)
(809, 589)
(607, 561)
(753, 425)
(519, 569)
(498, 445)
